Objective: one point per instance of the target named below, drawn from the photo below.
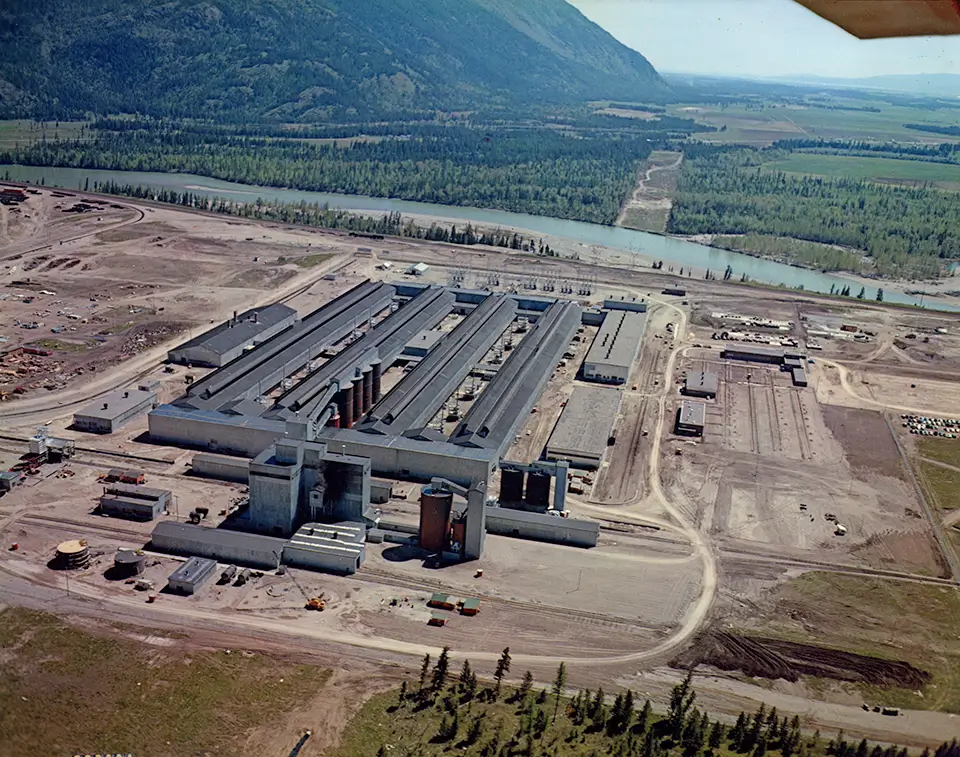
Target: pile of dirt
(772, 658)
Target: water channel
(672, 251)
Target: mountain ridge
(306, 60)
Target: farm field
(762, 125)
(886, 170)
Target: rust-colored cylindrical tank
(511, 486)
(345, 403)
(334, 421)
(367, 390)
(538, 491)
(375, 370)
(357, 399)
(435, 507)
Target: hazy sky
(761, 38)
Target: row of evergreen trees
(549, 722)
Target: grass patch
(940, 485)
(23, 133)
(872, 616)
(646, 219)
(56, 344)
(945, 450)
(886, 170)
(65, 691)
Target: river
(672, 251)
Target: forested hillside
(305, 60)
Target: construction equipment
(316, 603)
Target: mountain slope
(305, 59)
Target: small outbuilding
(191, 576)
(441, 602)
(418, 269)
(470, 606)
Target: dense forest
(906, 233)
(305, 60)
(583, 175)
(445, 711)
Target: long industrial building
(226, 342)
(615, 347)
(582, 433)
(320, 380)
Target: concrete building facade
(542, 527)
(114, 410)
(221, 544)
(294, 481)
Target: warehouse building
(221, 467)
(626, 302)
(381, 490)
(542, 527)
(615, 348)
(191, 576)
(134, 502)
(226, 342)
(701, 384)
(793, 361)
(338, 548)
(114, 410)
(418, 269)
(221, 544)
(753, 354)
(422, 343)
(583, 431)
(691, 418)
(799, 377)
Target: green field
(64, 690)
(944, 450)
(764, 123)
(866, 616)
(888, 170)
(14, 133)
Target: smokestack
(126, 394)
(233, 321)
(104, 405)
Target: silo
(435, 507)
(73, 554)
(511, 486)
(376, 367)
(129, 562)
(367, 390)
(538, 491)
(345, 403)
(357, 398)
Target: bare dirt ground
(649, 205)
(97, 288)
